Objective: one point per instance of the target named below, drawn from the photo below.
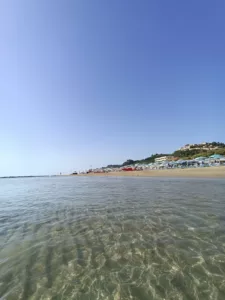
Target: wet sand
(207, 172)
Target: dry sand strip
(207, 172)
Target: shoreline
(205, 172)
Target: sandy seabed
(205, 172)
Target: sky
(89, 83)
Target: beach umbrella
(216, 156)
(181, 161)
(201, 158)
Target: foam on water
(112, 238)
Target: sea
(112, 238)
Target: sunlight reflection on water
(112, 238)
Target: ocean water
(112, 238)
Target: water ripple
(112, 238)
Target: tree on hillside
(188, 153)
(217, 144)
(128, 162)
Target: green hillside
(181, 154)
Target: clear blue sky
(96, 82)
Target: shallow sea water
(112, 238)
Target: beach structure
(217, 159)
(216, 156)
(200, 158)
(163, 159)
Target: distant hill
(189, 151)
(193, 153)
(203, 149)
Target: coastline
(207, 172)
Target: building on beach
(163, 158)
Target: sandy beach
(210, 172)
